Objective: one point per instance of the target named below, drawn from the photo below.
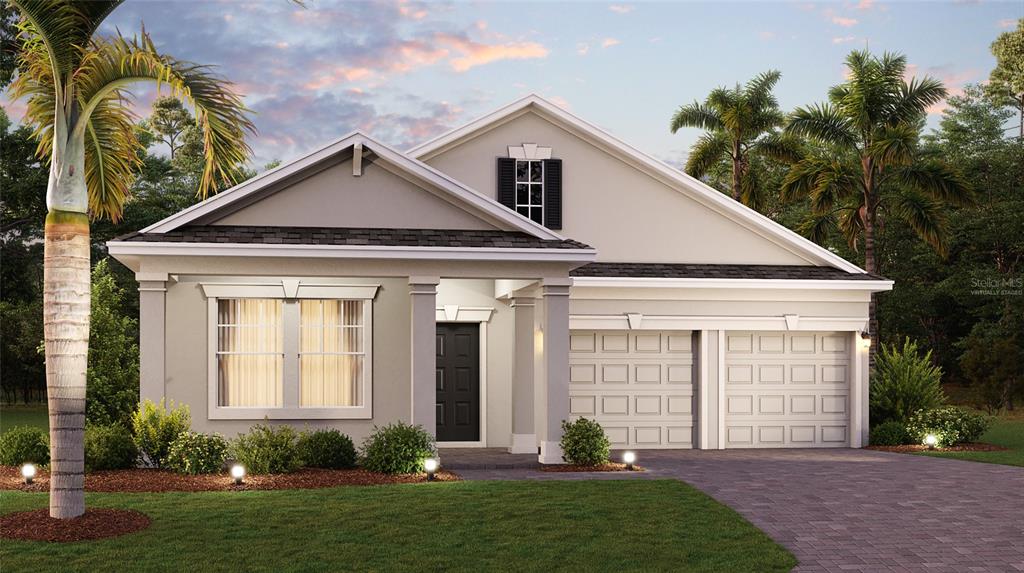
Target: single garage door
(637, 384)
(787, 389)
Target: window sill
(347, 413)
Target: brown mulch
(972, 447)
(609, 467)
(95, 523)
(149, 480)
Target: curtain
(331, 353)
(250, 352)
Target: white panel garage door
(636, 384)
(787, 389)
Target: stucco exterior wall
(608, 204)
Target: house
(518, 271)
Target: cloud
(843, 39)
(865, 5)
(609, 42)
(1007, 23)
(766, 35)
(477, 54)
(844, 22)
(954, 81)
(413, 11)
(560, 102)
(582, 48)
(621, 8)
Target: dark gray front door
(458, 382)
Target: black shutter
(553, 193)
(507, 182)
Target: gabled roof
(458, 193)
(655, 168)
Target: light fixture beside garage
(865, 339)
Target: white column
(524, 435)
(555, 334)
(859, 386)
(152, 322)
(423, 329)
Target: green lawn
(464, 526)
(21, 415)
(1006, 431)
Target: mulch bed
(609, 467)
(95, 523)
(149, 480)
(972, 447)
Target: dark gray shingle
(710, 271)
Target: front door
(458, 382)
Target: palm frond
(817, 227)
(925, 215)
(824, 123)
(937, 180)
(111, 157)
(851, 225)
(915, 97)
(34, 84)
(220, 114)
(695, 115)
(710, 149)
(759, 90)
(894, 145)
(752, 193)
(780, 147)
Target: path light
(430, 464)
(629, 458)
(28, 471)
(238, 473)
(930, 440)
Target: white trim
(523, 444)
(702, 391)
(357, 160)
(283, 290)
(463, 195)
(482, 442)
(759, 284)
(654, 167)
(349, 251)
(457, 313)
(721, 389)
(682, 322)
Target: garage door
(637, 385)
(787, 389)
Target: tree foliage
(1006, 82)
(113, 375)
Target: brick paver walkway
(852, 510)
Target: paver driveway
(859, 510)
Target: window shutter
(553, 193)
(507, 182)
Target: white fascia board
(655, 167)
(122, 248)
(723, 323)
(792, 284)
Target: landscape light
(238, 473)
(629, 458)
(930, 440)
(28, 471)
(430, 464)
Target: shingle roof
(710, 271)
(339, 236)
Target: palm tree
(868, 163)
(75, 83)
(739, 122)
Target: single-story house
(524, 269)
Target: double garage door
(781, 389)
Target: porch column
(556, 367)
(152, 320)
(524, 435)
(423, 304)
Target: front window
(331, 352)
(250, 352)
(530, 189)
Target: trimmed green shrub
(156, 428)
(194, 453)
(903, 382)
(891, 433)
(397, 448)
(951, 425)
(584, 443)
(24, 444)
(267, 450)
(109, 448)
(327, 449)
(112, 392)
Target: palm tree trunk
(66, 332)
(736, 160)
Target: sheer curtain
(250, 352)
(331, 353)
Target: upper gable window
(530, 189)
(530, 183)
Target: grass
(23, 415)
(462, 526)
(1006, 431)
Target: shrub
(267, 450)
(194, 453)
(891, 433)
(993, 361)
(327, 449)
(904, 382)
(156, 428)
(397, 448)
(951, 425)
(24, 444)
(584, 443)
(112, 392)
(109, 448)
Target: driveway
(857, 510)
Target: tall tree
(1006, 82)
(168, 122)
(739, 122)
(868, 162)
(75, 82)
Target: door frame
(481, 317)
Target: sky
(404, 71)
